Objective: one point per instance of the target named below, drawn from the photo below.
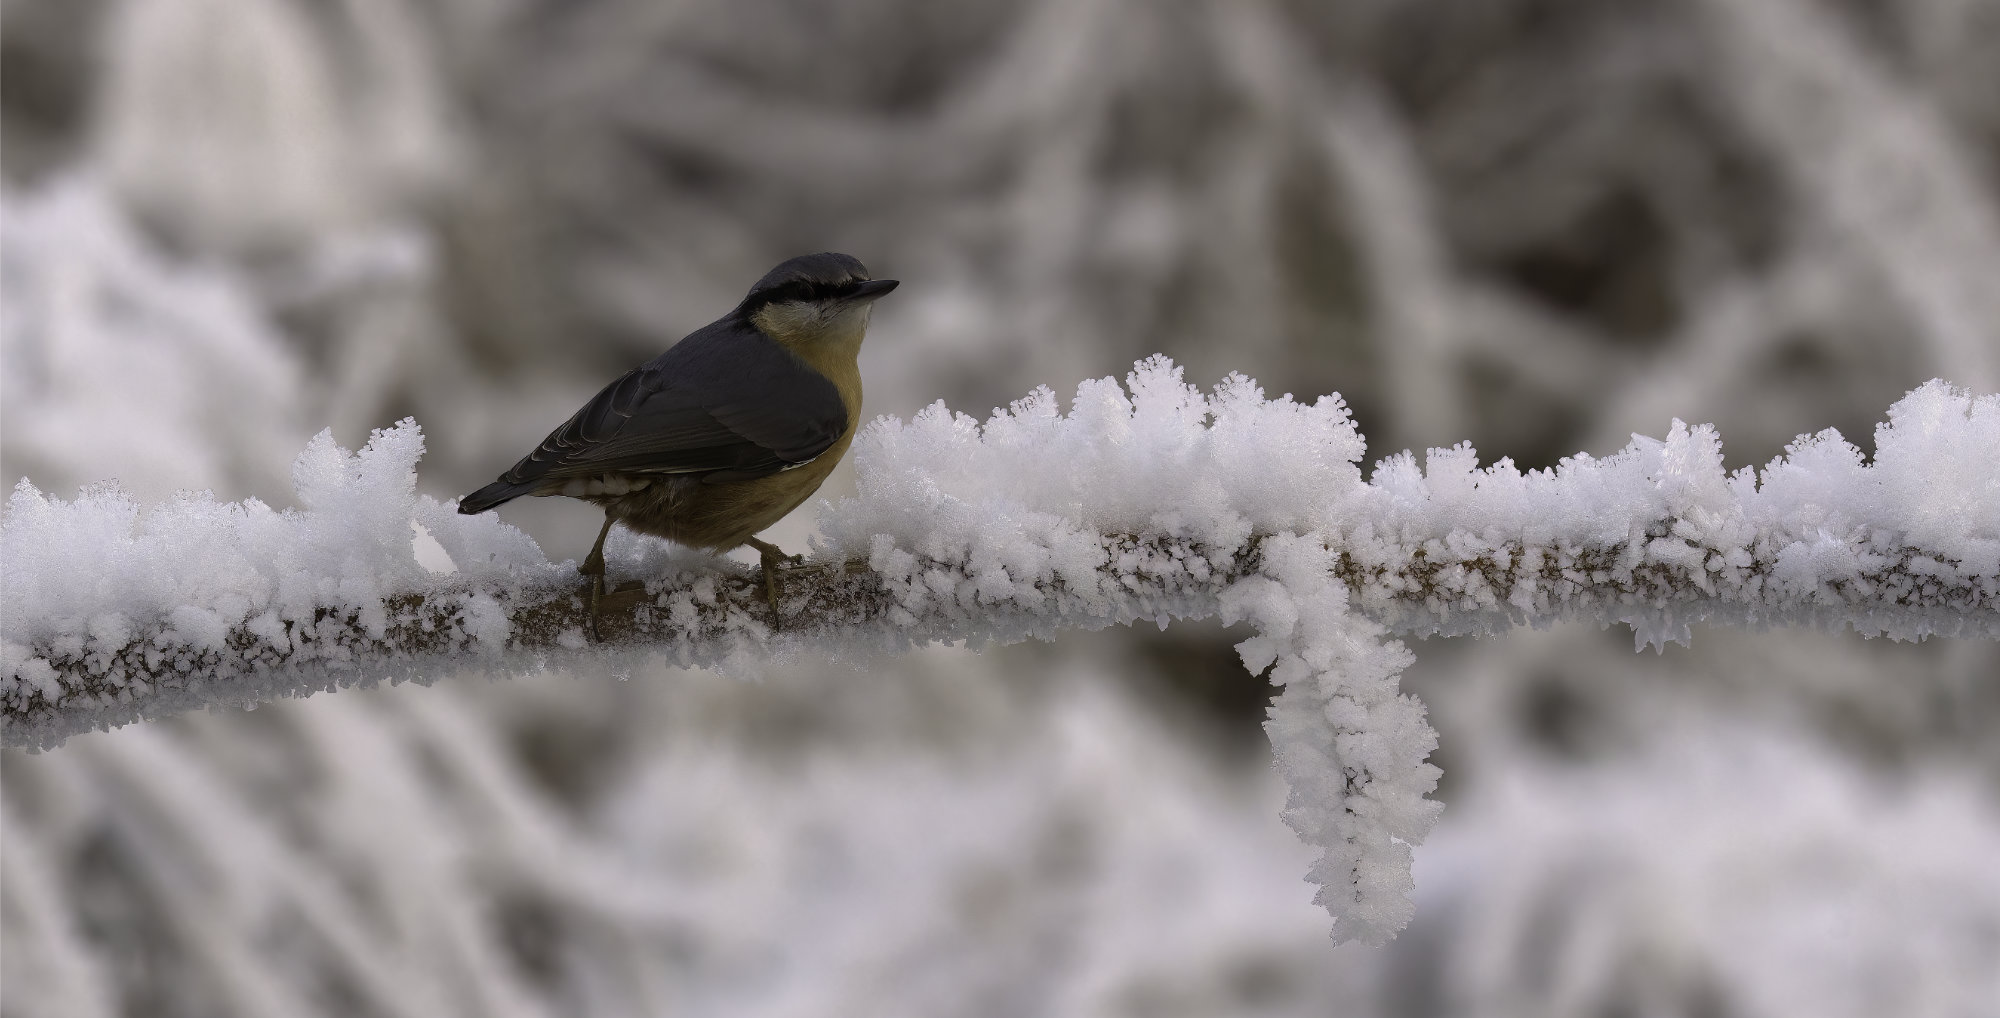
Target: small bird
(727, 431)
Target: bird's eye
(793, 291)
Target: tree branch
(707, 617)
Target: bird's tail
(492, 495)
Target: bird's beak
(873, 289)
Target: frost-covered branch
(1145, 502)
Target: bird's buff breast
(689, 511)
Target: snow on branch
(1149, 501)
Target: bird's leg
(770, 555)
(593, 567)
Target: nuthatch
(726, 432)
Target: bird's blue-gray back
(727, 402)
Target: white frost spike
(1350, 746)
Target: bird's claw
(596, 598)
(593, 567)
(771, 562)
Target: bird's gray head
(814, 298)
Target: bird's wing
(725, 401)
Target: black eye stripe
(807, 291)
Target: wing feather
(727, 400)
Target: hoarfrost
(1185, 500)
(232, 602)
(1159, 490)
(1147, 501)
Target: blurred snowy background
(1536, 224)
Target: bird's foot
(593, 567)
(772, 558)
(596, 600)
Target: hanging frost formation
(1148, 501)
(1168, 502)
